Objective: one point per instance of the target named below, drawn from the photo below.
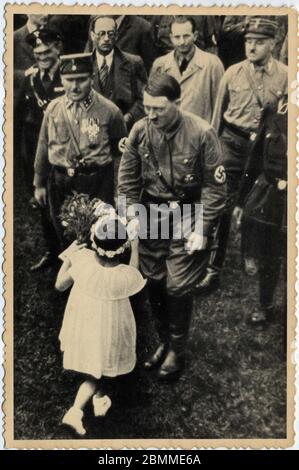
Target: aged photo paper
(79, 364)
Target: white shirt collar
(109, 59)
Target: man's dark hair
(183, 19)
(96, 18)
(162, 84)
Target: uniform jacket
(127, 77)
(266, 200)
(199, 83)
(35, 99)
(134, 36)
(236, 101)
(98, 132)
(189, 158)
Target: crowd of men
(194, 95)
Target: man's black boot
(211, 281)
(158, 301)
(180, 312)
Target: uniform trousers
(236, 150)
(29, 138)
(97, 183)
(165, 258)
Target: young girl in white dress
(98, 334)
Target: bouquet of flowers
(78, 214)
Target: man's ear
(272, 44)
(195, 34)
(92, 36)
(178, 101)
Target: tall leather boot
(158, 300)
(180, 312)
(210, 281)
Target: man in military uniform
(172, 158)
(263, 203)
(41, 85)
(245, 91)
(79, 138)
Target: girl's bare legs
(84, 394)
(74, 415)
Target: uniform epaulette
(31, 71)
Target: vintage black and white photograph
(152, 225)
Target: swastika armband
(220, 174)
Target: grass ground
(234, 385)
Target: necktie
(184, 65)
(76, 112)
(103, 73)
(46, 81)
(258, 77)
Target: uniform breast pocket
(187, 171)
(58, 131)
(240, 93)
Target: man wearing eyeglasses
(117, 75)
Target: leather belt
(71, 172)
(239, 132)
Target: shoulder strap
(70, 129)
(253, 87)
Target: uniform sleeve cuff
(39, 181)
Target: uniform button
(186, 160)
(146, 155)
(255, 121)
(260, 87)
(268, 136)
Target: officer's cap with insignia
(42, 37)
(76, 64)
(260, 27)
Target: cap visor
(257, 36)
(75, 74)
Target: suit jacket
(135, 36)
(127, 77)
(199, 83)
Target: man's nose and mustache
(152, 116)
(75, 88)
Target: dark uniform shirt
(97, 125)
(36, 96)
(190, 161)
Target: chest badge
(91, 127)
